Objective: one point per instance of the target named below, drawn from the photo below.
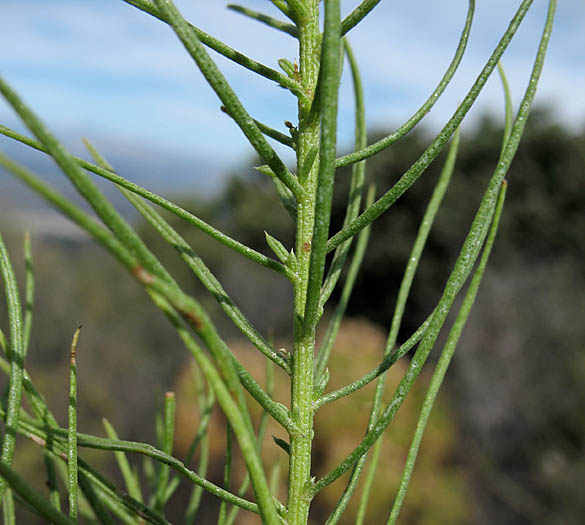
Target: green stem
(302, 373)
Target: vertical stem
(320, 58)
(302, 373)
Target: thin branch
(289, 29)
(357, 15)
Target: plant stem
(302, 373)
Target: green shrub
(312, 265)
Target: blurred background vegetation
(506, 443)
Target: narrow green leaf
(282, 6)
(261, 432)
(284, 445)
(308, 163)
(357, 180)
(195, 498)
(463, 265)
(227, 475)
(206, 403)
(167, 448)
(335, 322)
(8, 508)
(226, 361)
(235, 416)
(122, 506)
(72, 430)
(299, 10)
(509, 112)
(208, 280)
(129, 262)
(277, 247)
(130, 480)
(276, 135)
(288, 67)
(84, 185)
(121, 253)
(57, 439)
(32, 497)
(291, 261)
(94, 501)
(329, 86)
(321, 384)
(196, 316)
(357, 15)
(509, 146)
(16, 355)
(79, 217)
(368, 482)
(52, 485)
(285, 27)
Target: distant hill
(161, 171)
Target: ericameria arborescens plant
(313, 266)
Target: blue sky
(104, 70)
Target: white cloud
(105, 65)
